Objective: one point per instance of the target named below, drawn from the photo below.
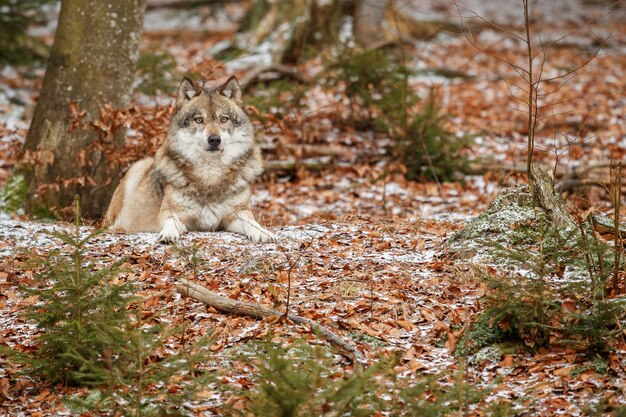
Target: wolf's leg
(243, 223)
(171, 230)
(172, 226)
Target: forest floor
(363, 249)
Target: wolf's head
(210, 124)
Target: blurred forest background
(445, 178)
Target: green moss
(481, 334)
(277, 97)
(512, 208)
(156, 70)
(365, 338)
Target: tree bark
(549, 199)
(287, 29)
(92, 63)
(368, 22)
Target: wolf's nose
(214, 140)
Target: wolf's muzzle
(214, 142)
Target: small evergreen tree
(562, 297)
(307, 382)
(303, 382)
(81, 313)
(380, 96)
(90, 337)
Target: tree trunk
(92, 63)
(368, 22)
(285, 30)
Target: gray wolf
(200, 177)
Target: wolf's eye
(198, 119)
(224, 119)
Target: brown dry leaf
(428, 314)
(507, 361)
(564, 370)
(383, 245)
(405, 325)
(451, 341)
(415, 365)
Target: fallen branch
(179, 4)
(580, 171)
(570, 184)
(291, 165)
(227, 305)
(280, 71)
(310, 150)
(604, 225)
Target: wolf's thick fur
(200, 177)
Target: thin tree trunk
(368, 22)
(92, 63)
(288, 29)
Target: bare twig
(617, 203)
(292, 265)
(532, 99)
(281, 70)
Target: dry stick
(604, 225)
(588, 258)
(531, 87)
(283, 70)
(227, 305)
(293, 164)
(617, 191)
(291, 266)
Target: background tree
(288, 30)
(91, 64)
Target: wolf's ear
(232, 90)
(186, 91)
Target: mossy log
(514, 206)
(518, 206)
(548, 199)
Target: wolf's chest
(206, 211)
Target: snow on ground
(367, 251)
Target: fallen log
(291, 165)
(549, 199)
(577, 172)
(604, 225)
(227, 305)
(280, 71)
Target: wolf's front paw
(168, 238)
(170, 233)
(259, 234)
